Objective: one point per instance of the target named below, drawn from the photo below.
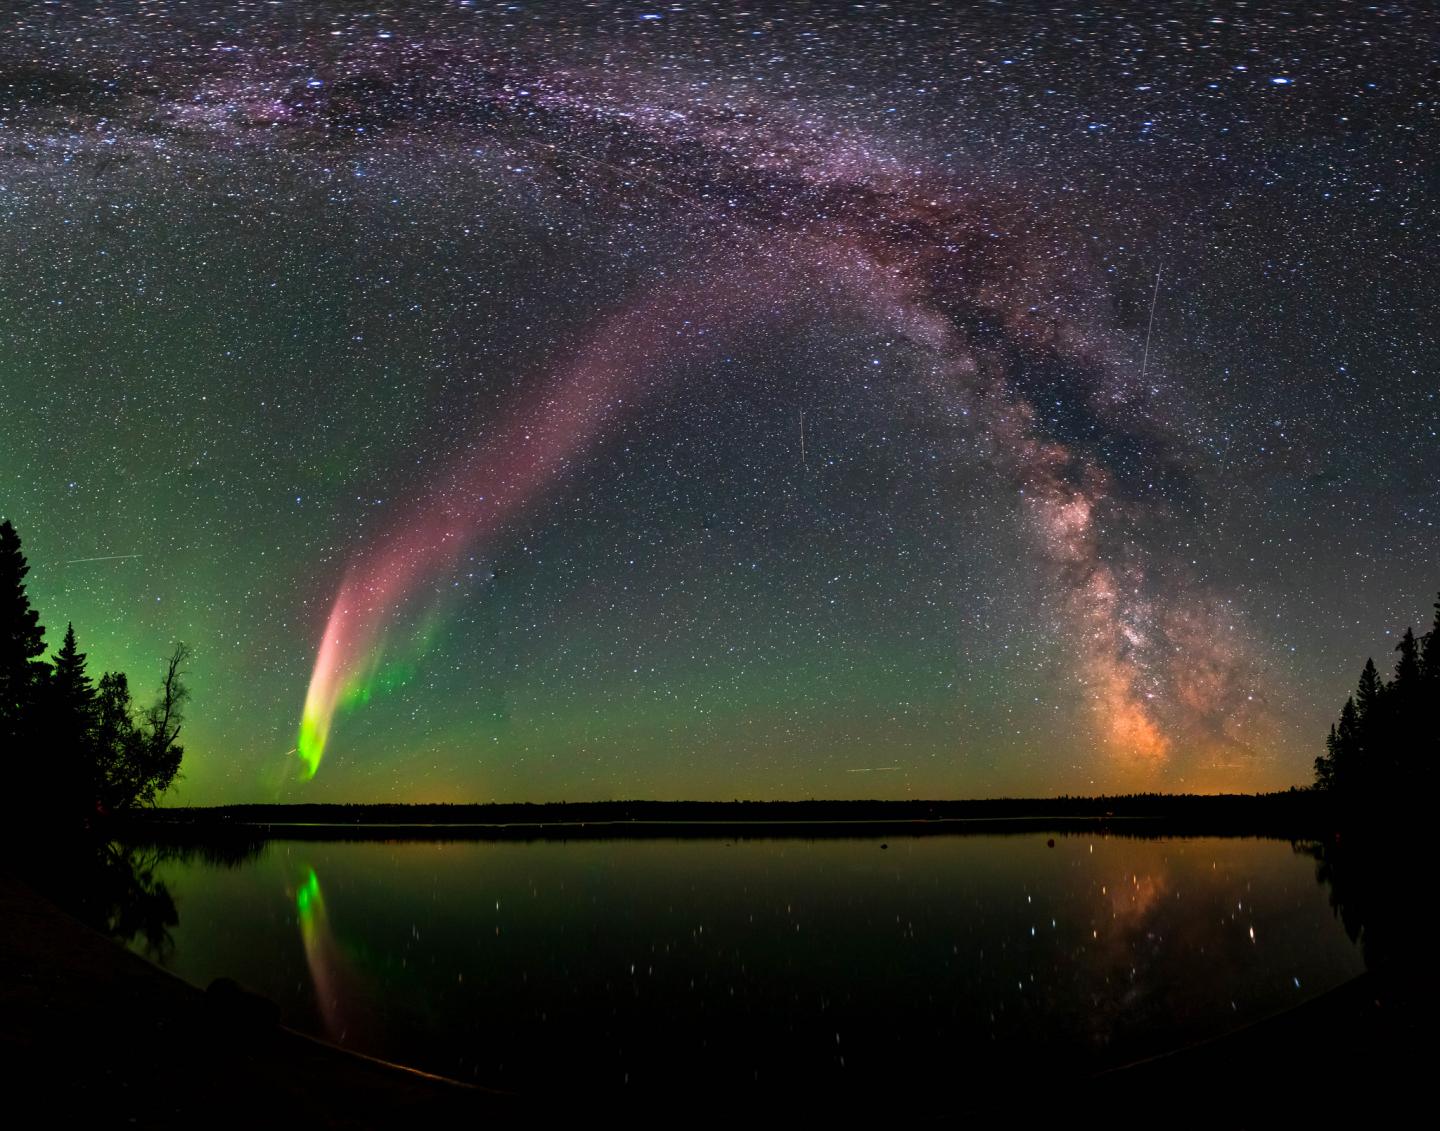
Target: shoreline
(1292, 815)
(702, 830)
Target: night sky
(546, 401)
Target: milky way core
(447, 363)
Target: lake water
(908, 964)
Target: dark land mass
(1292, 814)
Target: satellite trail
(1150, 326)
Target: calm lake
(909, 963)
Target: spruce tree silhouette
(1430, 651)
(22, 674)
(1384, 748)
(1378, 769)
(1403, 702)
(70, 727)
(1369, 726)
(76, 751)
(1336, 770)
(1407, 668)
(70, 686)
(1325, 763)
(1428, 711)
(1368, 694)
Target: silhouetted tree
(1428, 711)
(69, 685)
(69, 738)
(1407, 668)
(1347, 746)
(74, 748)
(1325, 763)
(1403, 709)
(22, 640)
(138, 759)
(1368, 695)
(1430, 647)
(162, 752)
(115, 736)
(1386, 744)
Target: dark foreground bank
(89, 1031)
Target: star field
(437, 371)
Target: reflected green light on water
(306, 898)
(710, 961)
(336, 995)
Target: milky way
(451, 358)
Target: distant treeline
(1295, 812)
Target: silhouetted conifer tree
(69, 740)
(1403, 709)
(1407, 667)
(1429, 707)
(1430, 646)
(116, 740)
(69, 683)
(70, 747)
(1325, 763)
(1386, 744)
(1368, 695)
(22, 675)
(1347, 747)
